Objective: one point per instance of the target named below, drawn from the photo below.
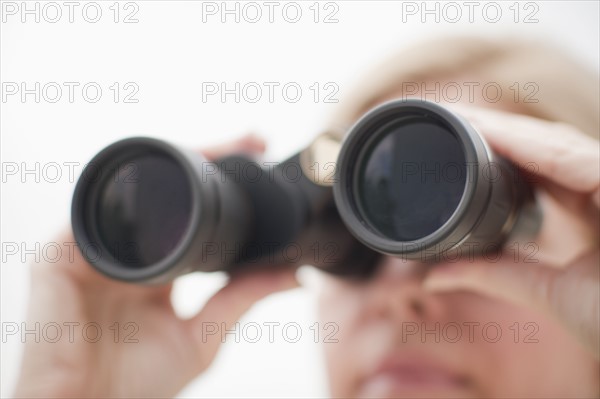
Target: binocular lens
(411, 178)
(146, 211)
(135, 209)
(416, 180)
(143, 209)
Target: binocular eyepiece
(412, 179)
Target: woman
(547, 312)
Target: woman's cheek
(531, 348)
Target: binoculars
(410, 179)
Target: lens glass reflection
(412, 179)
(144, 209)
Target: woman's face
(396, 339)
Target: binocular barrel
(412, 179)
(144, 210)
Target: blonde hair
(568, 92)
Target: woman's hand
(568, 170)
(169, 351)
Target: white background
(168, 54)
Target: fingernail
(290, 280)
(309, 277)
(249, 144)
(285, 279)
(254, 139)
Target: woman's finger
(558, 152)
(518, 283)
(248, 144)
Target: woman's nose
(397, 292)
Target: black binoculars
(411, 179)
